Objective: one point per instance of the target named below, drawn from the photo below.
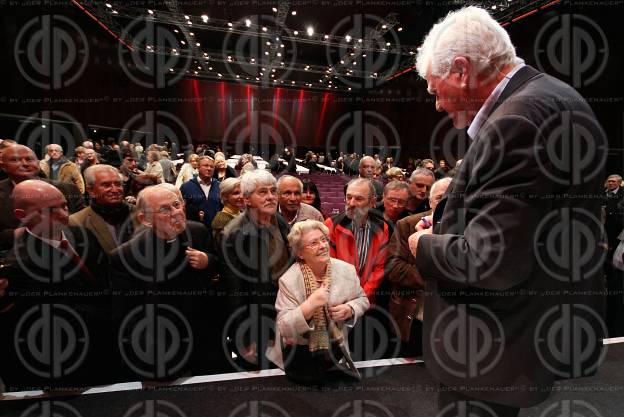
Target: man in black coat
(501, 274)
(165, 301)
(54, 317)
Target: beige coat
(290, 323)
(68, 172)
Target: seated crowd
(156, 273)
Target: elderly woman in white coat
(318, 299)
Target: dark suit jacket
(152, 280)
(497, 264)
(197, 201)
(8, 222)
(614, 216)
(44, 283)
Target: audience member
(153, 166)
(168, 168)
(289, 190)
(222, 170)
(420, 183)
(395, 174)
(108, 216)
(90, 158)
(367, 169)
(201, 194)
(188, 170)
(310, 194)
(58, 270)
(319, 298)
(233, 204)
(255, 255)
(406, 300)
(57, 167)
(395, 197)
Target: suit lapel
(99, 226)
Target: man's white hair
(254, 179)
(469, 32)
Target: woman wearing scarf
(188, 170)
(319, 298)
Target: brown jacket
(68, 173)
(406, 300)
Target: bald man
(56, 274)
(21, 164)
(169, 262)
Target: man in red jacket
(360, 236)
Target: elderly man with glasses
(166, 272)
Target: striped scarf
(322, 332)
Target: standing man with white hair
(58, 167)
(255, 254)
(489, 264)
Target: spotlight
(204, 18)
(247, 22)
(310, 30)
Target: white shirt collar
(486, 108)
(54, 243)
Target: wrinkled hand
(250, 353)
(424, 223)
(341, 312)
(415, 237)
(130, 199)
(320, 296)
(4, 284)
(197, 259)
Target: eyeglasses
(167, 210)
(316, 243)
(399, 201)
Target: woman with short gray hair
(319, 298)
(233, 205)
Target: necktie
(77, 260)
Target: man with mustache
(108, 217)
(255, 254)
(360, 235)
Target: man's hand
(414, 238)
(341, 312)
(424, 223)
(4, 284)
(197, 259)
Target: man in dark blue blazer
(201, 194)
(513, 259)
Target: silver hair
(421, 171)
(289, 177)
(47, 148)
(248, 167)
(301, 228)
(358, 181)
(442, 181)
(469, 32)
(253, 179)
(394, 186)
(228, 186)
(91, 172)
